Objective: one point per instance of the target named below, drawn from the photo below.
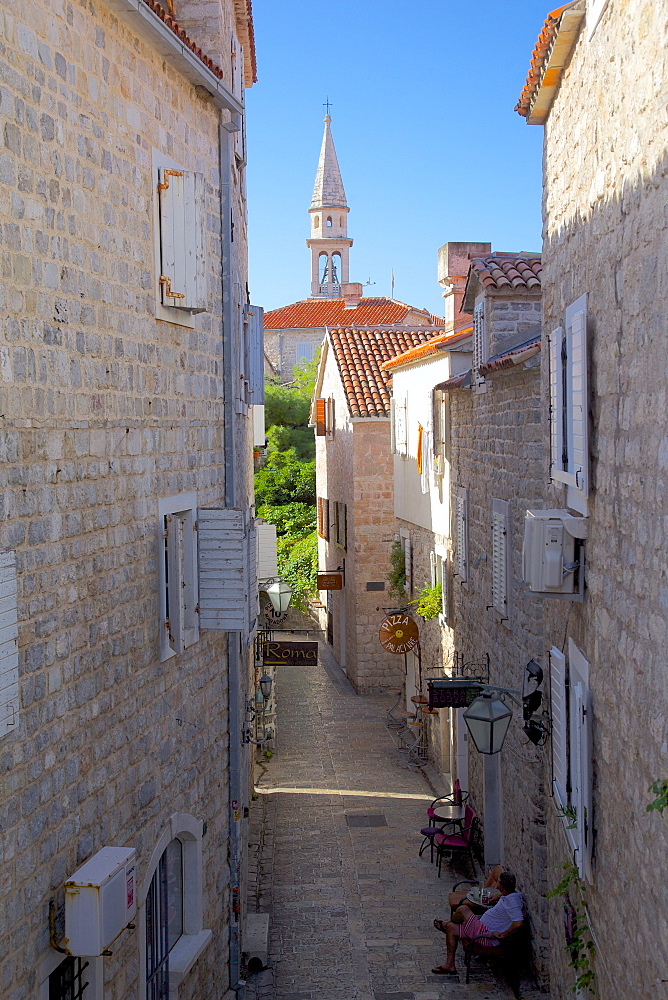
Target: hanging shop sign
(398, 633)
(289, 653)
(330, 581)
(452, 693)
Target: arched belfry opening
(329, 242)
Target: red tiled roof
(513, 356)
(311, 314)
(360, 354)
(540, 57)
(499, 270)
(439, 343)
(181, 34)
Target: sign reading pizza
(284, 653)
(398, 633)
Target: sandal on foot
(440, 926)
(440, 971)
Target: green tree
(283, 479)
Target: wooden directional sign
(398, 633)
(330, 581)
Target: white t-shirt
(500, 916)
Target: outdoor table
(448, 813)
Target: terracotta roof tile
(500, 270)
(360, 353)
(513, 356)
(180, 33)
(440, 342)
(541, 56)
(311, 314)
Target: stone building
(476, 421)
(354, 483)
(129, 362)
(597, 83)
(294, 333)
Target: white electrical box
(551, 556)
(100, 901)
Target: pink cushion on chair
(454, 840)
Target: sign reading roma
(398, 633)
(283, 653)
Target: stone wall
(281, 346)
(509, 322)
(605, 234)
(105, 410)
(496, 452)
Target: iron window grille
(67, 981)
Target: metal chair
(436, 823)
(460, 842)
(392, 722)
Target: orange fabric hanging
(419, 449)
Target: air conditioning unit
(100, 901)
(552, 555)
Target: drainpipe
(235, 692)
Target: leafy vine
(429, 602)
(579, 944)
(397, 575)
(660, 790)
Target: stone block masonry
(105, 410)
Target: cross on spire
(327, 105)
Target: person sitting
(458, 896)
(498, 922)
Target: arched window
(329, 220)
(323, 267)
(316, 221)
(336, 268)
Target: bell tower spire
(329, 242)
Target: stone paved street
(351, 905)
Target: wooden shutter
(255, 348)
(253, 603)
(580, 757)
(445, 593)
(267, 565)
(223, 578)
(9, 655)
(393, 436)
(461, 533)
(578, 409)
(320, 417)
(559, 726)
(500, 555)
(433, 569)
(182, 260)
(343, 525)
(335, 523)
(175, 583)
(400, 426)
(557, 458)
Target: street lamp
(487, 720)
(265, 686)
(279, 593)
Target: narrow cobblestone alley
(351, 905)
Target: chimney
(453, 268)
(352, 294)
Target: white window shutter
(251, 578)
(9, 654)
(556, 406)
(500, 556)
(559, 726)
(461, 533)
(576, 333)
(255, 347)
(182, 259)
(223, 570)
(580, 757)
(175, 583)
(393, 434)
(478, 341)
(400, 426)
(408, 562)
(443, 580)
(433, 569)
(267, 565)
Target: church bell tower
(329, 243)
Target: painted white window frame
(9, 646)
(559, 713)
(501, 558)
(461, 533)
(440, 575)
(193, 941)
(407, 546)
(171, 314)
(400, 424)
(569, 405)
(178, 515)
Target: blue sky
(429, 146)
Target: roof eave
(567, 32)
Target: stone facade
(106, 410)
(605, 235)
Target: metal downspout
(234, 691)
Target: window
(305, 352)
(341, 525)
(69, 980)
(501, 575)
(571, 749)
(178, 574)
(441, 419)
(9, 652)
(439, 574)
(569, 447)
(329, 221)
(182, 278)
(323, 518)
(164, 919)
(398, 425)
(324, 417)
(461, 532)
(479, 343)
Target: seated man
(495, 924)
(458, 896)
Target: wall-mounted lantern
(487, 720)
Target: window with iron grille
(69, 980)
(164, 919)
